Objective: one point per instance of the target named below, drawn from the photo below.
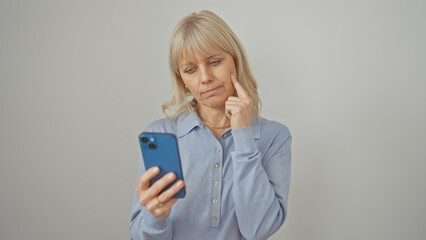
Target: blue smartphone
(161, 149)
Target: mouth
(211, 91)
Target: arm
(260, 192)
(150, 218)
(146, 226)
(260, 183)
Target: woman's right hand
(158, 204)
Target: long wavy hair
(203, 33)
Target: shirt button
(225, 135)
(214, 218)
(218, 150)
(214, 200)
(217, 165)
(216, 183)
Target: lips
(211, 91)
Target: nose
(206, 75)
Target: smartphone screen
(161, 150)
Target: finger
(228, 113)
(233, 109)
(164, 210)
(169, 204)
(241, 92)
(232, 98)
(246, 101)
(146, 177)
(160, 184)
(165, 205)
(237, 100)
(152, 193)
(234, 104)
(169, 193)
(156, 203)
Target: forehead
(192, 56)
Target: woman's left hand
(239, 109)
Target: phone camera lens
(152, 146)
(144, 139)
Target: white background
(79, 80)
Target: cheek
(190, 85)
(227, 70)
(224, 74)
(186, 81)
(225, 77)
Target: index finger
(145, 178)
(241, 92)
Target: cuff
(244, 139)
(153, 222)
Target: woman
(236, 165)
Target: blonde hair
(203, 33)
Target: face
(209, 78)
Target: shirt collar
(186, 122)
(190, 120)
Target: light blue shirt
(236, 186)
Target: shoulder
(273, 128)
(180, 125)
(275, 140)
(163, 125)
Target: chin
(214, 104)
(217, 101)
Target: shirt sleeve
(143, 224)
(261, 181)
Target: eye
(189, 70)
(214, 62)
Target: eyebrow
(183, 65)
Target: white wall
(80, 80)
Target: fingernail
(155, 169)
(232, 75)
(179, 184)
(170, 175)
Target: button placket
(216, 188)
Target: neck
(213, 117)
